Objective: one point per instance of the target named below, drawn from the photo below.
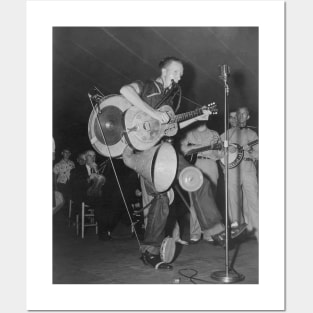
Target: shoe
(238, 230)
(194, 240)
(219, 239)
(182, 242)
(210, 241)
(155, 261)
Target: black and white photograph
(138, 128)
(159, 138)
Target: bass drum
(105, 126)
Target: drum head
(105, 126)
(110, 124)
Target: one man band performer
(147, 96)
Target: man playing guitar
(199, 137)
(147, 97)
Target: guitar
(235, 158)
(191, 155)
(143, 131)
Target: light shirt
(63, 170)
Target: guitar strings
(115, 174)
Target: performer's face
(242, 115)
(202, 126)
(173, 70)
(233, 119)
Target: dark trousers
(156, 221)
(206, 209)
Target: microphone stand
(228, 275)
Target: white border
(41, 17)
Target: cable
(191, 277)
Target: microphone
(224, 72)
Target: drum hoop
(167, 250)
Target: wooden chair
(87, 220)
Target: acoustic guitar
(191, 155)
(116, 123)
(143, 131)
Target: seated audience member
(80, 179)
(98, 196)
(62, 172)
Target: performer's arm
(186, 145)
(131, 93)
(252, 151)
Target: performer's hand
(163, 117)
(205, 115)
(215, 139)
(247, 148)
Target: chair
(70, 208)
(87, 220)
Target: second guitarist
(196, 138)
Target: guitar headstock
(211, 107)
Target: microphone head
(224, 71)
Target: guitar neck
(254, 142)
(216, 146)
(186, 116)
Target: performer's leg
(206, 209)
(234, 196)
(251, 193)
(195, 229)
(154, 233)
(156, 222)
(146, 198)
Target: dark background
(109, 57)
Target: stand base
(232, 276)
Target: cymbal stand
(228, 275)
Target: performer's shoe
(182, 242)
(194, 240)
(238, 230)
(219, 239)
(209, 240)
(155, 261)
